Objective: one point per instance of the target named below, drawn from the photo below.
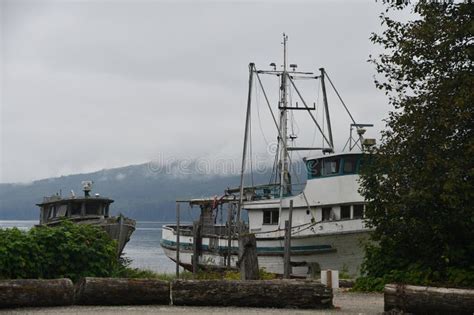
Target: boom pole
(326, 107)
(244, 153)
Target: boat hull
(309, 253)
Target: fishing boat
(322, 225)
(93, 210)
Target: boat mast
(244, 153)
(285, 181)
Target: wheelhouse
(54, 208)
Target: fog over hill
(142, 192)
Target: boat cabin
(55, 208)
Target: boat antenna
(87, 187)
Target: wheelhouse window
(350, 164)
(270, 216)
(314, 168)
(61, 210)
(358, 212)
(93, 208)
(52, 213)
(76, 208)
(331, 166)
(345, 212)
(326, 213)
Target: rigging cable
(316, 116)
(257, 98)
(340, 98)
(279, 134)
(250, 148)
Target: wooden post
(287, 254)
(196, 246)
(230, 213)
(248, 261)
(329, 278)
(177, 239)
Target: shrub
(67, 250)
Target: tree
(419, 181)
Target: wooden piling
(197, 242)
(230, 214)
(248, 261)
(287, 253)
(177, 238)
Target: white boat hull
(341, 251)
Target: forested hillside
(139, 191)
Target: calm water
(143, 248)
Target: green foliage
(419, 182)
(126, 272)
(67, 250)
(230, 275)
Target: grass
(202, 275)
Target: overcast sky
(88, 85)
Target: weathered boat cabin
(93, 210)
(55, 208)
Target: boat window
(345, 212)
(270, 216)
(358, 212)
(76, 208)
(106, 210)
(314, 168)
(52, 212)
(327, 213)
(93, 208)
(62, 209)
(46, 212)
(331, 166)
(350, 164)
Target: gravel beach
(344, 302)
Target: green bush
(67, 250)
(380, 269)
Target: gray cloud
(96, 84)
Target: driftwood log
(115, 291)
(248, 261)
(252, 293)
(428, 300)
(34, 292)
